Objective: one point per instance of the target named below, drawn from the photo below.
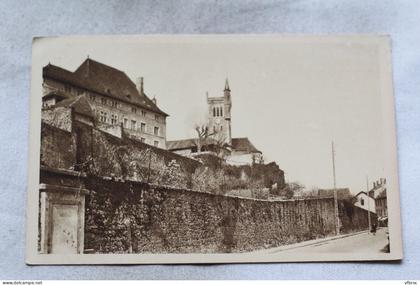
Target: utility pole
(337, 219)
(368, 202)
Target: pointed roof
(227, 85)
(244, 144)
(103, 79)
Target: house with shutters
(114, 100)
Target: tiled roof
(186, 143)
(102, 79)
(80, 104)
(243, 144)
(238, 144)
(379, 192)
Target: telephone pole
(368, 202)
(336, 217)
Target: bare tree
(202, 135)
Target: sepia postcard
(212, 149)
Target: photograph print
(212, 149)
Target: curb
(308, 243)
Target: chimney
(139, 85)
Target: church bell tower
(219, 115)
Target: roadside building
(364, 201)
(379, 193)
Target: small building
(114, 98)
(244, 153)
(364, 201)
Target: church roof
(243, 144)
(186, 143)
(103, 79)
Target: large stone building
(236, 151)
(116, 101)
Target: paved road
(363, 243)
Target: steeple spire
(227, 85)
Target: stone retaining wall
(134, 217)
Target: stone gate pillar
(62, 218)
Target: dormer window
(134, 110)
(108, 91)
(128, 96)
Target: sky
(291, 96)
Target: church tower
(219, 116)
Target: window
(217, 111)
(156, 131)
(103, 117)
(143, 127)
(114, 103)
(92, 97)
(156, 143)
(143, 140)
(125, 123)
(114, 119)
(221, 128)
(362, 202)
(103, 101)
(143, 113)
(156, 117)
(134, 110)
(214, 112)
(133, 124)
(221, 111)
